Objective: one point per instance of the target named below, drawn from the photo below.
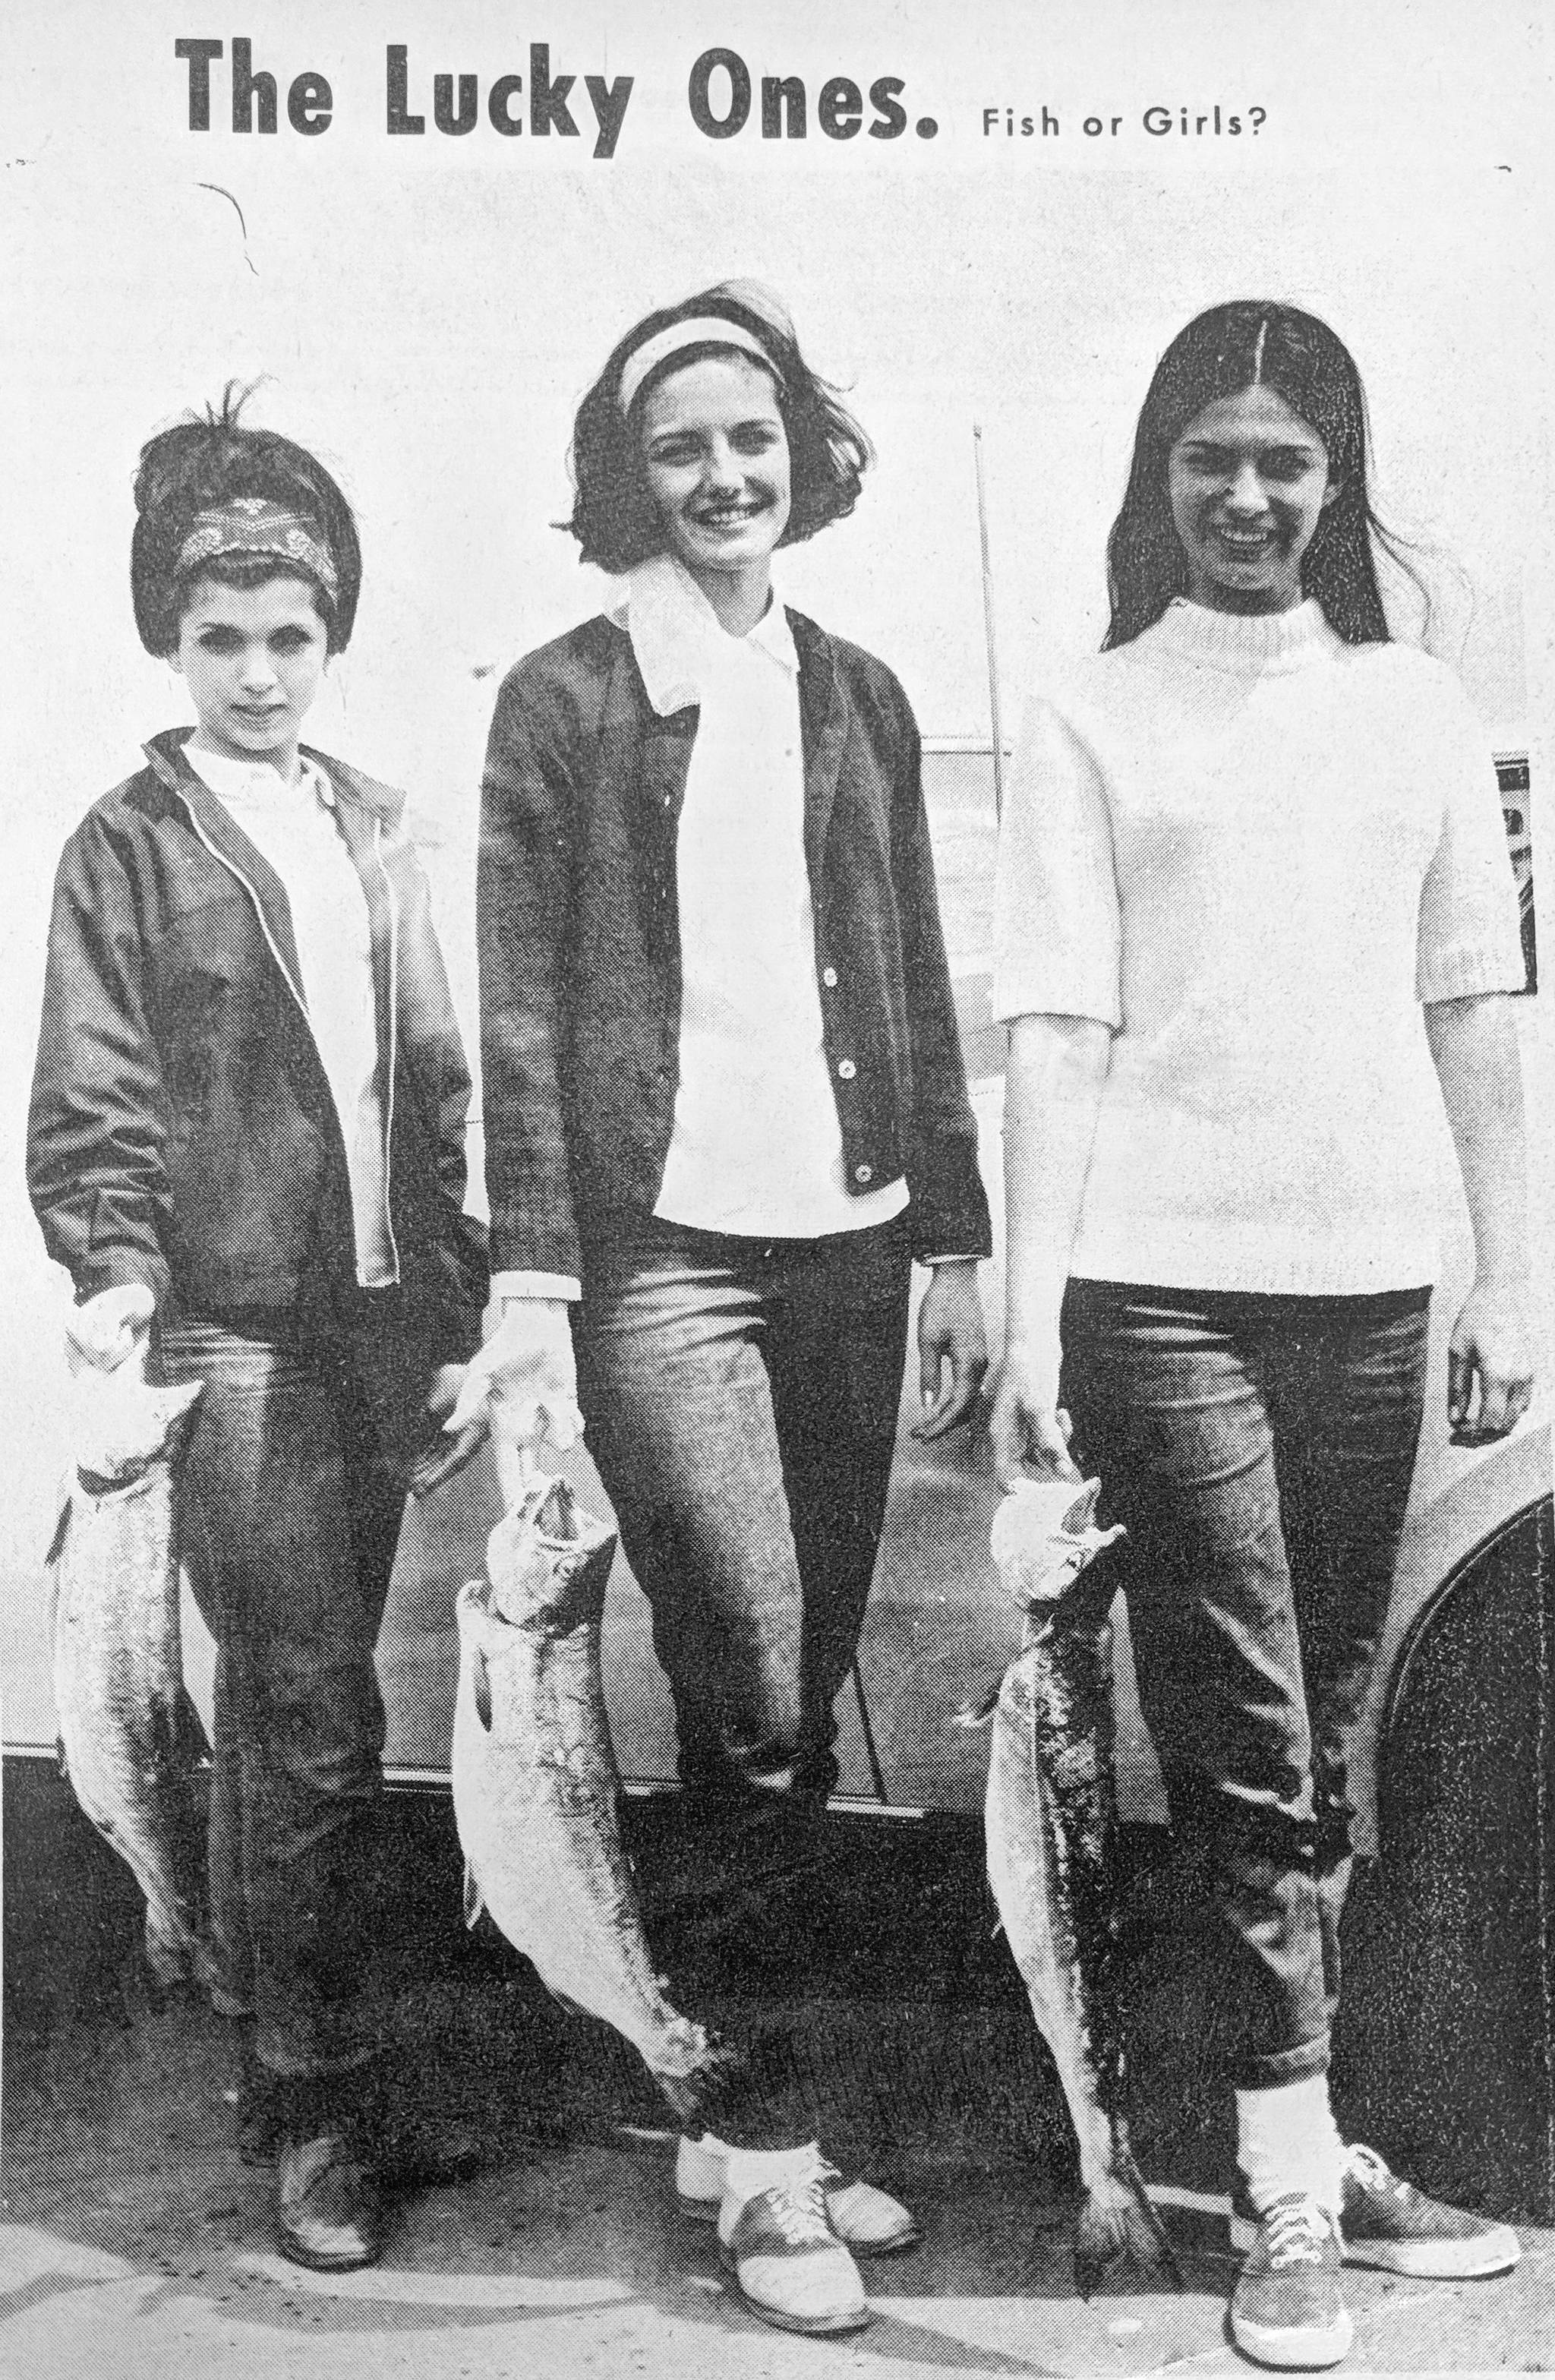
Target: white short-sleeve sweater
(1254, 850)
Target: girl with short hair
(724, 1111)
(247, 1143)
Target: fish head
(120, 1427)
(548, 1561)
(1044, 1534)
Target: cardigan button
(863, 1172)
(829, 977)
(847, 1069)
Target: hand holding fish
(1028, 1427)
(524, 1381)
(110, 1328)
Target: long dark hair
(614, 517)
(1253, 342)
(207, 461)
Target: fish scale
(130, 1739)
(536, 1784)
(1051, 1829)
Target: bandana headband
(254, 525)
(703, 330)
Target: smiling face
(1248, 481)
(253, 657)
(715, 454)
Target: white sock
(1287, 2140)
(748, 2172)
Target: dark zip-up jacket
(580, 980)
(182, 1130)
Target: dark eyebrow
(1286, 449)
(696, 429)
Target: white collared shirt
(291, 824)
(756, 1147)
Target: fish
(130, 1739)
(1051, 1836)
(535, 1787)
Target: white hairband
(703, 330)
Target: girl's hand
(1028, 1428)
(524, 1381)
(110, 1328)
(1490, 1366)
(950, 1332)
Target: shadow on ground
(141, 2243)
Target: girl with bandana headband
(724, 1111)
(247, 1146)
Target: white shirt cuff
(536, 1284)
(940, 1260)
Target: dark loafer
(328, 2215)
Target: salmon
(1052, 1822)
(535, 1786)
(130, 1739)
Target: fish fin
(473, 1902)
(178, 1738)
(193, 1743)
(61, 1531)
(1125, 2237)
(978, 1714)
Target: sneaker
(327, 2208)
(1388, 2222)
(867, 2221)
(788, 2264)
(1286, 2309)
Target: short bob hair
(614, 517)
(205, 462)
(1253, 343)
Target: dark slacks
(1260, 1451)
(292, 1498)
(741, 1397)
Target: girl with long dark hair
(1253, 882)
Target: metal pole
(988, 629)
(877, 1773)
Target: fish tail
(1121, 2235)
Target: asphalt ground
(137, 2243)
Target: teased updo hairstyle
(1253, 343)
(206, 462)
(614, 517)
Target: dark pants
(292, 1497)
(1260, 1451)
(742, 1397)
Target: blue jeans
(1260, 1451)
(742, 1398)
(291, 1501)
